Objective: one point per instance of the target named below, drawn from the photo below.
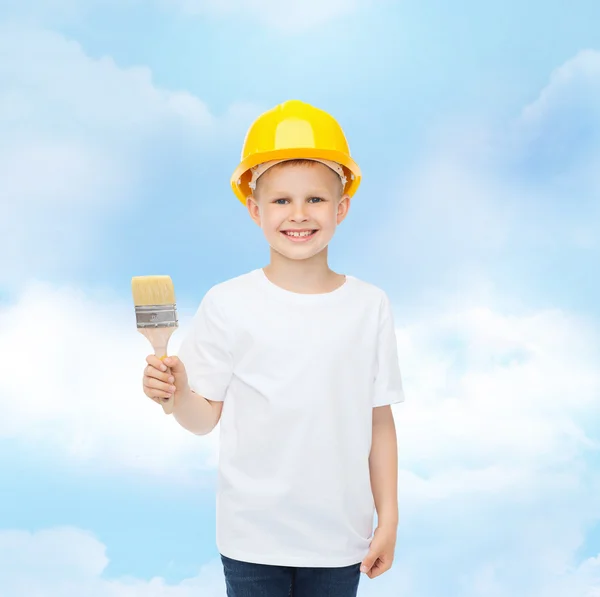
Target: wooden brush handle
(159, 338)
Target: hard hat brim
(241, 175)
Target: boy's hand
(381, 553)
(162, 383)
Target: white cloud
(517, 387)
(497, 488)
(53, 92)
(485, 205)
(572, 92)
(520, 388)
(69, 562)
(76, 393)
(498, 481)
(76, 137)
(557, 136)
(494, 438)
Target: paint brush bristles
(152, 290)
(156, 316)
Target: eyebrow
(313, 193)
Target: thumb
(175, 364)
(368, 562)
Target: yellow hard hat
(293, 130)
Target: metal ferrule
(156, 316)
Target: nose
(298, 212)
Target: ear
(343, 207)
(253, 209)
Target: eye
(280, 201)
(316, 199)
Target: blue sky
(477, 128)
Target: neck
(305, 276)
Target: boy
(299, 364)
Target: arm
(383, 465)
(206, 352)
(196, 413)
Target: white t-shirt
(299, 375)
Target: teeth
(290, 233)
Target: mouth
(299, 236)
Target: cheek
(271, 219)
(332, 215)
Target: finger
(153, 360)
(156, 384)
(157, 395)
(174, 364)
(376, 570)
(368, 562)
(160, 399)
(151, 371)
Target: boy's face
(298, 207)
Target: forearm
(194, 413)
(383, 466)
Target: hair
(298, 162)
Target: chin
(299, 254)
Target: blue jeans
(244, 579)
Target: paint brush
(156, 317)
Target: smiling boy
(300, 366)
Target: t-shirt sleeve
(206, 351)
(388, 380)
